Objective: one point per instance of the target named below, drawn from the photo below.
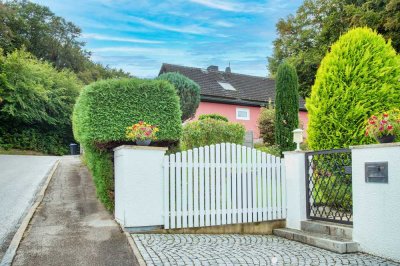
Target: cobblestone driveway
(180, 249)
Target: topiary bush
(213, 116)
(266, 125)
(103, 111)
(211, 131)
(187, 90)
(357, 78)
(286, 106)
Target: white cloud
(140, 51)
(223, 23)
(192, 29)
(247, 7)
(95, 36)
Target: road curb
(12, 248)
(135, 249)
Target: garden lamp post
(298, 137)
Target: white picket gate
(223, 184)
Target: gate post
(295, 188)
(139, 194)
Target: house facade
(239, 97)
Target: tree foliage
(187, 90)
(305, 38)
(286, 106)
(48, 37)
(357, 78)
(36, 104)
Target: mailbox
(376, 172)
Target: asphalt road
(21, 178)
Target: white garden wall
(139, 185)
(376, 206)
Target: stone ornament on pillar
(298, 137)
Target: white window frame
(242, 110)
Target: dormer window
(226, 86)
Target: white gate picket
(228, 184)
(184, 190)
(207, 184)
(212, 166)
(223, 184)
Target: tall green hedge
(357, 78)
(286, 106)
(211, 131)
(188, 92)
(103, 111)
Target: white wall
(295, 189)
(376, 206)
(139, 185)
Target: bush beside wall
(103, 111)
(359, 77)
(211, 131)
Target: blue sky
(139, 35)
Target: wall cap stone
(136, 147)
(373, 146)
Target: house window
(242, 114)
(226, 86)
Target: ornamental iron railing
(328, 186)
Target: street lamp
(298, 137)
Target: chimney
(212, 68)
(228, 69)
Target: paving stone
(174, 249)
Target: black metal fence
(328, 185)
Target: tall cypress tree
(286, 106)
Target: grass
(19, 152)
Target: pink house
(239, 97)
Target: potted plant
(384, 127)
(142, 133)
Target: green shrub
(357, 78)
(187, 90)
(286, 106)
(213, 116)
(273, 149)
(211, 131)
(266, 125)
(103, 111)
(36, 106)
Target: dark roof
(251, 90)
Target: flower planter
(145, 142)
(386, 139)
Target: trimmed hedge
(211, 131)
(187, 90)
(214, 116)
(105, 108)
(103, 111)
(357, 78)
